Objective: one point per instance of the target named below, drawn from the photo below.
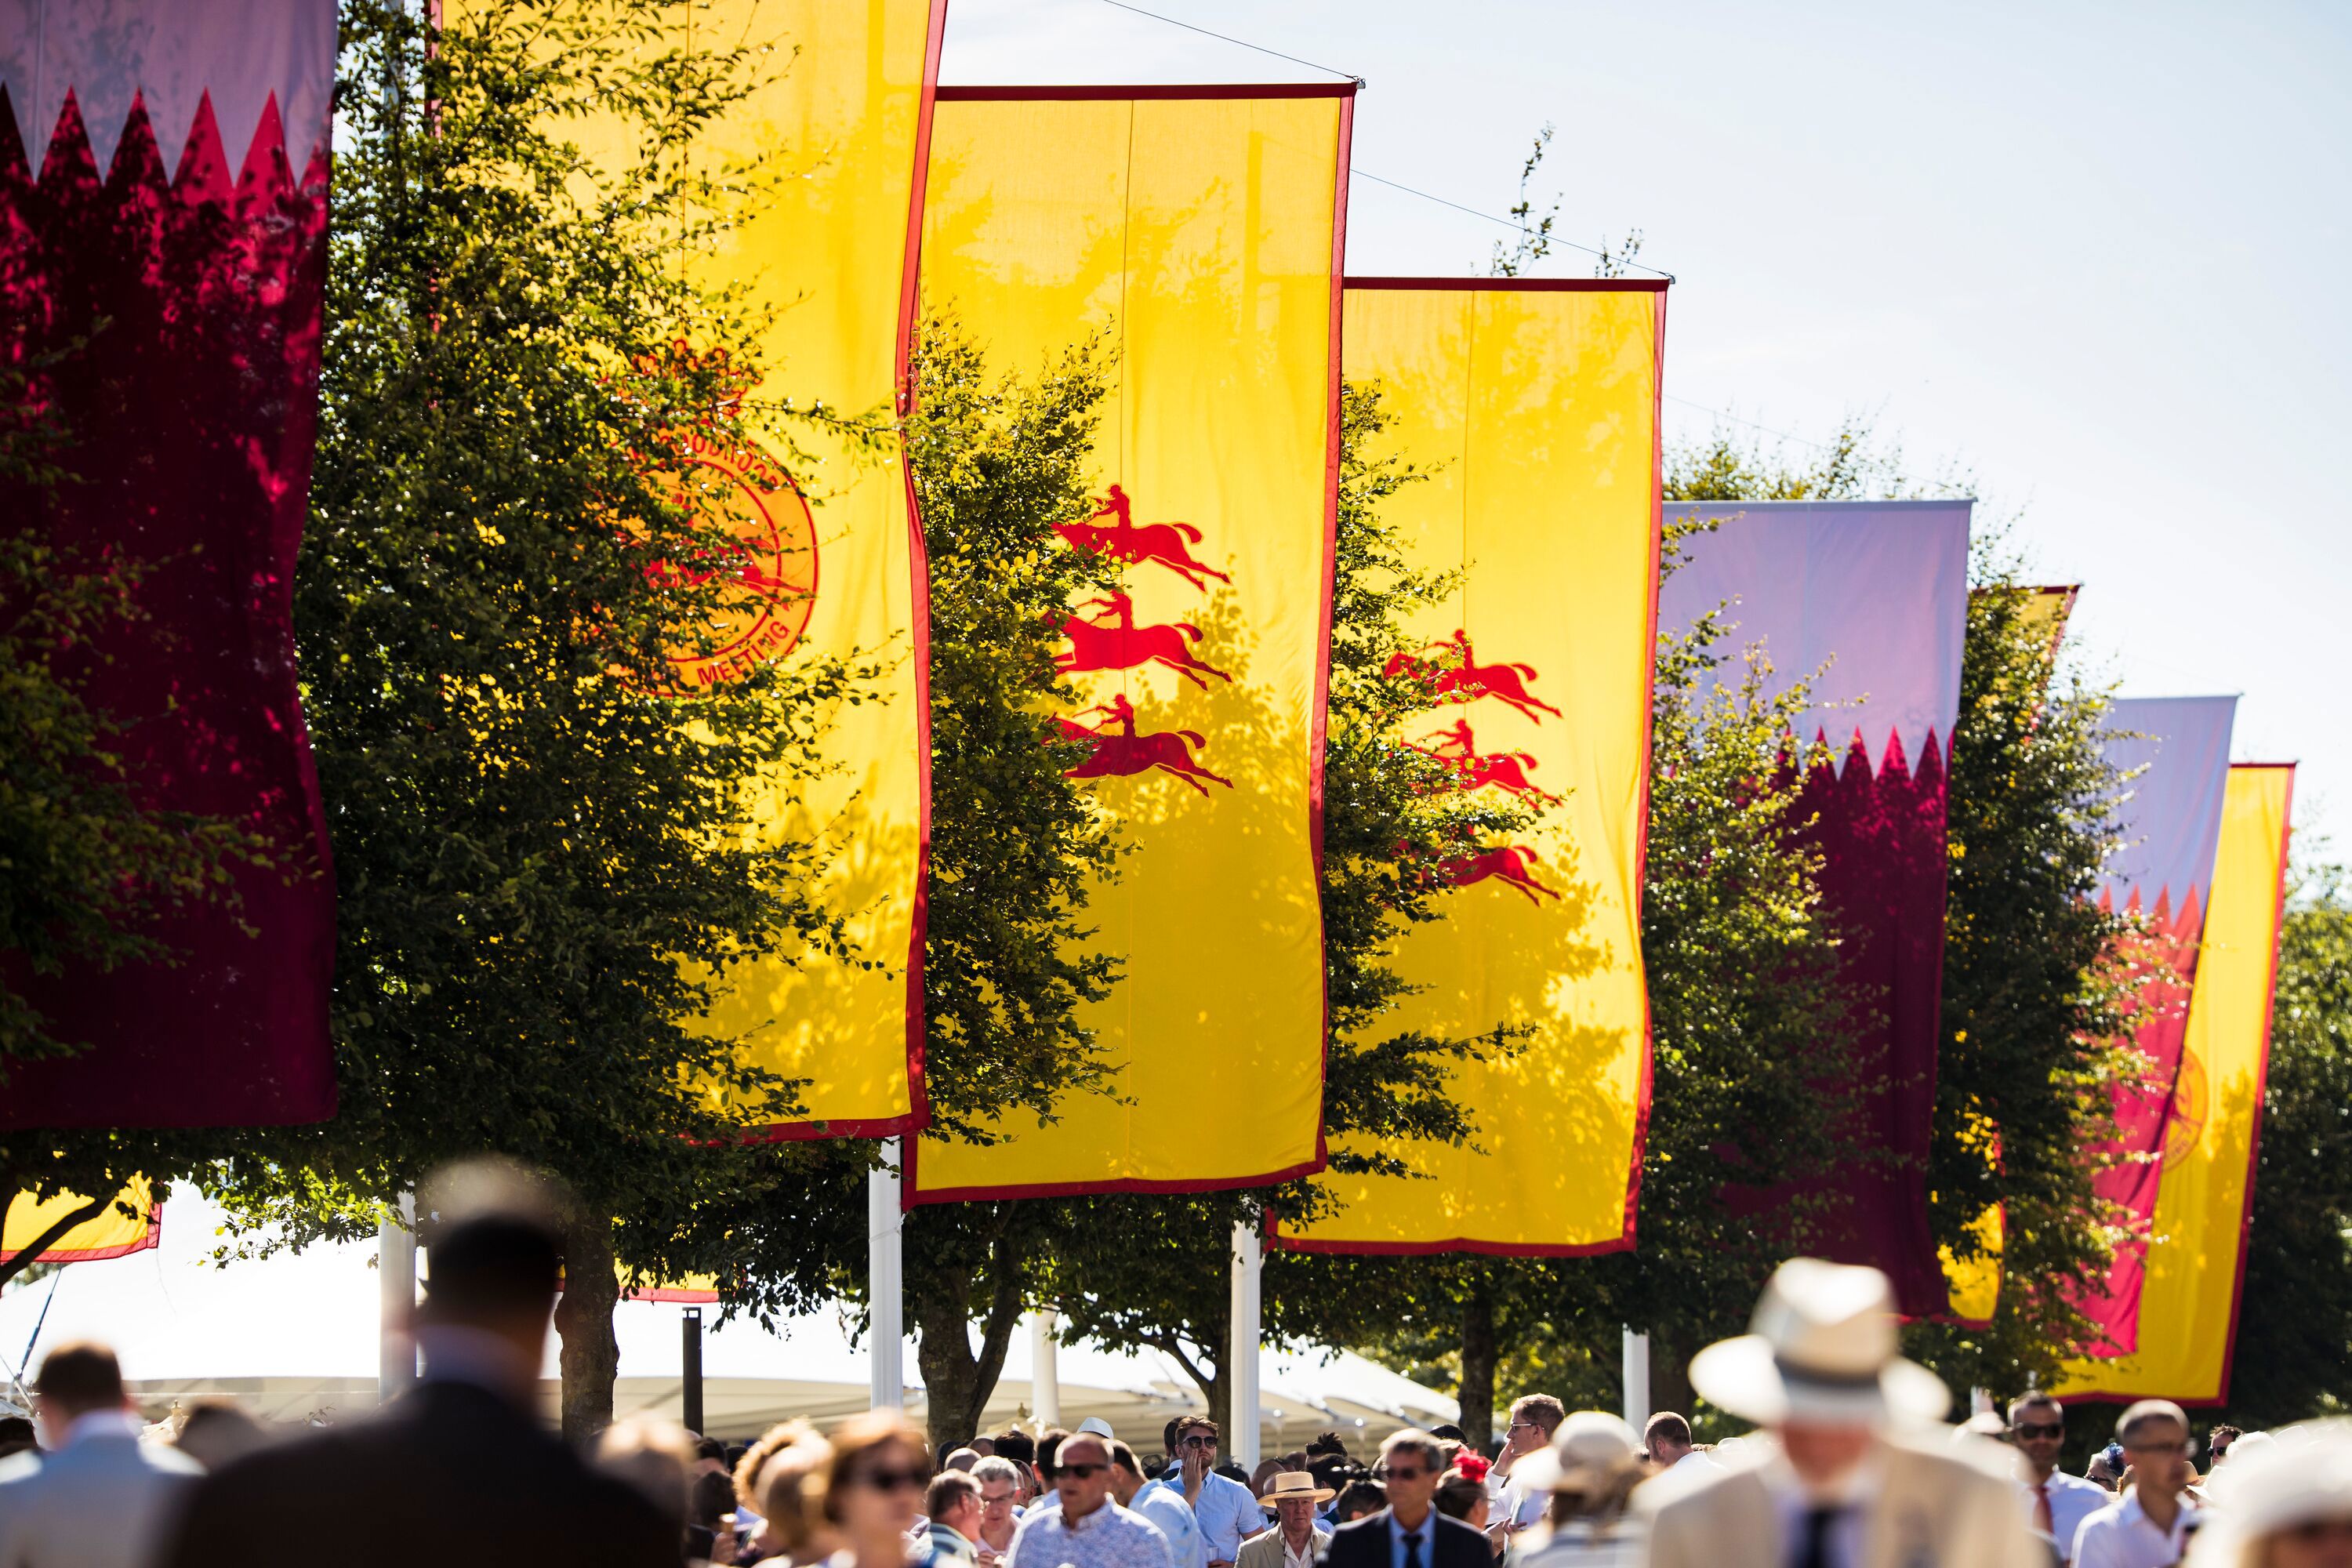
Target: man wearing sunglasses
(1410, 1532)
(1088, 1529)
(1226, 1511)
(2056, 1503)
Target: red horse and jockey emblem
(1474, 769)
(1118, 751)
(1119, 644)
(1452, 671)
(1168, 545)
(1514, 865)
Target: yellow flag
(110, 1234)
(1199, 230)
(2196, 1250)
(1538, 401)
(831, 251)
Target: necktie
(1814, 1551)
(1412, 1548)
(2043, 1520)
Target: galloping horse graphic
(1474, 769)
(1168, 543)
(1121, 751)
(1469, 680)
(1122, 644)
(1510, 863)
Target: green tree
(2293, 1354)
(546, 859)
(999, 461)
(1016, 843)
(2034, 1005)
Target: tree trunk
(956, 1383)
(1670, 1386)
(591, 1356)
(1477, 1391)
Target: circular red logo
(768, 565)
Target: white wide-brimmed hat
(2303, 1477)
(1823, 1349)
(1590, 1442)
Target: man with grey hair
(2147, 1526)
(1000, 1512)
(2056, 1503)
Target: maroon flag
(1868, 601)
(163, 257)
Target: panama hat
(1292, 1485)
(1588, 1442)
(1821, 1347)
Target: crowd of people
(1849, 1465)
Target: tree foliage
(2034, 1026)
(546, 856)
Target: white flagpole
(1241, 1359)
(885, 1282)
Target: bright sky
(2094, 253)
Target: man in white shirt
(2148, 1526)
(1226, 1510)
(1511, 1507)
(1667, 1442)
(2056, 1503)
(103, 1498)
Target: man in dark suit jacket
(460, 1472)
(1410, 1532)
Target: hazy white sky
(2095, 253)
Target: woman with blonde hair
(870, 1491)
(773, 1482)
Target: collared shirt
(1228, 1514)
(101, 1424)
(1165, 1506)
(1846, 1505)
(2072, 1500)
(950, 1542)
(1424, 1535)
(1304, 1558)
(2121, 1535)
(1110, 1537)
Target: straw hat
(1821, 1349)
(1589, 1442)
(1292, 1485)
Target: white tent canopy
(293, 1338)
